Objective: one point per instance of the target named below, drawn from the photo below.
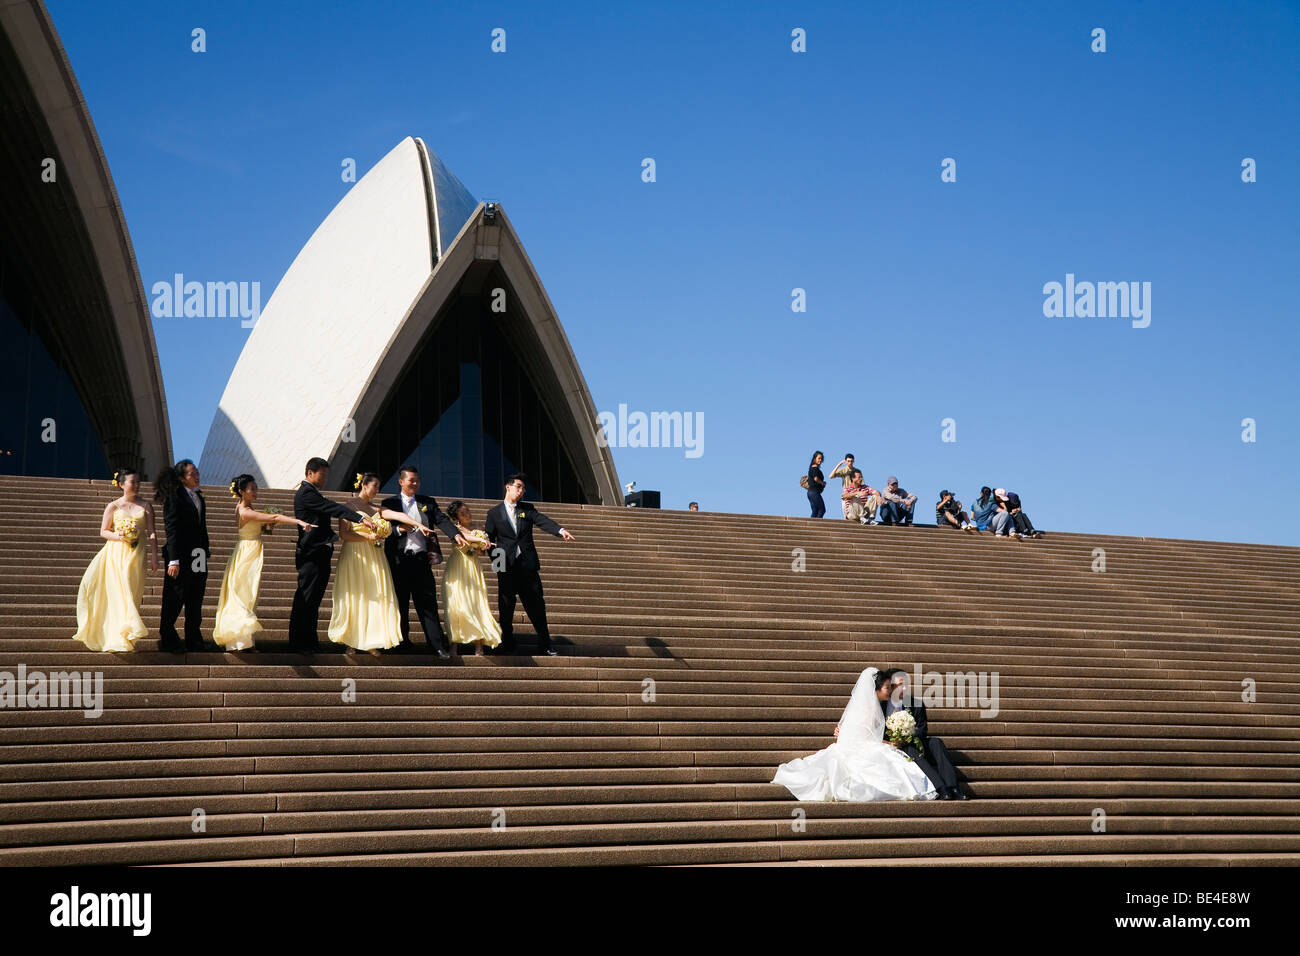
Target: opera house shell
(82, 389)
(413, 329)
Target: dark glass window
(35, 388)
(466, 414)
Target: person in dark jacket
(185, 519)
(412, 555)
(932, 757)
(509, 526)
(315, 549)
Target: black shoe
(549, 650)
(944, 795)
(954, 793)
(443, 652)
(172, 648)
(305, 649)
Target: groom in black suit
(934, 762)
(185, 519)
(315, 549)
(509, 526)
(411, 556)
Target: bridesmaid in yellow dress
(464, 593)
(112, 589)
(364, 615)
(236, 623)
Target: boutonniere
(424, 509)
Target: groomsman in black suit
(315, 549)
(412, 555)
(185, 519)
(509, 526)
(934, 763)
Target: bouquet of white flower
(900, 727)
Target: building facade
(82, 388)
(412, 329)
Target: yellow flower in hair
(233, 493)
(356, 485)
(115, 474)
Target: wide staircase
(1147, 713)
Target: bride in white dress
(859, 766)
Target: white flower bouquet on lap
(900, 727)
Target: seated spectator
(693, 506)
(860, 499)
(948, 513)
(844, 471)
(1024, 527)
(983, 509)
(897, 504)
(1002, 524)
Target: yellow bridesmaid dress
(465, 602)
(236, 623)
(112, 589)
(364, 614)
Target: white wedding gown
(859, 766)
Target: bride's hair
(883, 678)
(169, 482)
(453, 509)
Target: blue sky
(779, 170)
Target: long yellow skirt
(365, 603)
(465, 602)
(109, 598)
(236, 623)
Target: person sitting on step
(898, 504)
(1024, 527)
(948, 513)
(860, 499)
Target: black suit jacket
(311, 506)
(499, 532)
(186, 529)
(432, 516)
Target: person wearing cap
(1001, 523)
(948, 513)
(897, 504)
(981, 513)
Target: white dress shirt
(510, 513)
(415, 542)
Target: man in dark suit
(509, 526)
(412, 555)
(315, 549)
(185, 519)
(934, 762)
